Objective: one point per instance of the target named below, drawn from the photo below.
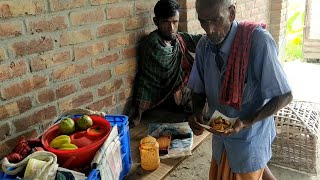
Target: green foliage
(294, 31)
(294, 49)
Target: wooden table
(139, 132)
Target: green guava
(84, 122)
(67, 126)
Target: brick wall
(278, 23)
(246, 10)
(57, 55)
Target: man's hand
(194, 125)
(237, 127)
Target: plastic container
(149, 153)
(124, 138)
(4, 176)
(82, 156)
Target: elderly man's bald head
(200, 4)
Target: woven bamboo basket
(296, 145)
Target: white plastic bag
(181, 137)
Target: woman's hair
(166, 8)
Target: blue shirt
(250, 149)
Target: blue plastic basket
(124, 137)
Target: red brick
(183, 17)
(96, 78)
(183, 26)
(136, 23)
(32, 46)
(144, 7)
(143, 33)
(129, 65)
(14, 108)
(124, 95)
(46, 96)
(110, 87)
(99, 2)
(48, 24)
(49, 60)
(23, 87)
(15, 8)
(68, 71)
(4, 131)
(65, 90)
(102, 104)
(75, 102)
(87, 17)
(114, 12)
(105, 60)
(129, 52)
(58, 5)
(128, 93)
(2, 54)
(37, 117)
(132, 38)
(117, 109)
(119, 41)
(89, 50)
(129, 80)
(75, 37)
(11, 29)
(182, 3)
(121, 96)
(45, 125)
(110, 29)
(13, 69)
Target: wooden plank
(167, 165)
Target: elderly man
(236, 69)
(164, 62)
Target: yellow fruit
(68, 146)
(84, 122)
(59, 140)
(67, 126)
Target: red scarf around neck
(232, 88)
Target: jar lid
(148, 142)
